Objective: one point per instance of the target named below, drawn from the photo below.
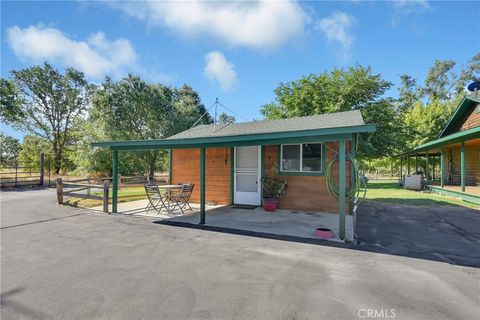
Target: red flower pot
(323, 233)
(270, 204)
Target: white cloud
(337, 28)
(218, 69)
(96, 57)
(261, 24)
(403, 8)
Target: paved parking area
(59, 262)
(445, 233)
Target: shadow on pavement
(443, 234)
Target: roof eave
(469, 134)
(466, 99)
(230, 140)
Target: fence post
(16, 173)
(59, 190)
(88, 189)
(106, 184)
(42, 168)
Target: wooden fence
(79, 187)
(83, 186)
(13, 175)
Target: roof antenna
(215, 120)
(474, 87)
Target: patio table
(170, 187)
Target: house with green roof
(226, 163)
(451, 163)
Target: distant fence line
(15, 175)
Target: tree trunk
(57, 165)
(151, 174)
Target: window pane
(312, 157)
(291, 158)
(247, 158)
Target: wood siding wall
(307, 193)
(472, 165)
(472, 121)
(186, 168)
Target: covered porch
(343, 136)
(450, 165)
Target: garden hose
(353, 191)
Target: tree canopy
(45, 102)
(354, 88)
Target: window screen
(302, 157)
(291, 157)
(312, 157)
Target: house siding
(305, 193)
(472, 165)
(186, 169)
(472, 121)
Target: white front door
(247, 175)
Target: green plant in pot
(274, 187)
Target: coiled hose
(352, 192)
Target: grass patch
(391, 192)
(124, 195)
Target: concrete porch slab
(281, 222)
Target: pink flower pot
(270, 204)
(323, 233)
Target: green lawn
(390, 192)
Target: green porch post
(442, 168)
(115, 181)
(353, 146)
(202, 185)
(426, 165)
(416, 163)
(341, 197)
(232, 177)
(401, 168)
(462, 166)
(170, 155)
(262, 171)
(408, 165)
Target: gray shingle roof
(324, 121)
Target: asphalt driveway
(445, 233)
(63, 263)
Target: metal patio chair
(181, 198)
(157, 199)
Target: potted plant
(273, 188)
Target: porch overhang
(462, 136)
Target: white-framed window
(301, 157)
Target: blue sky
(238, 52)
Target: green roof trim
(460, 113)
(316, 135)
(470, 134)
